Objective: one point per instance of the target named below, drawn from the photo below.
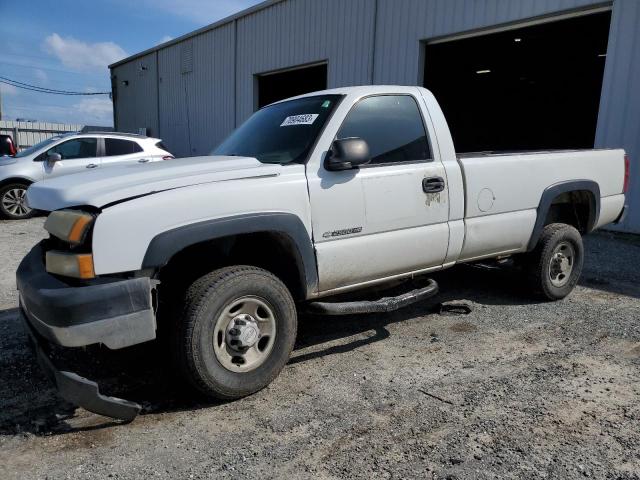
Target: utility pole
(0, 104)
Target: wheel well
(8, 181)
(275, 252)
(576, 208)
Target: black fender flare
(550, 193)
(166, 244)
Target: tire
(555, 265)
(12, 206)
(211, 335)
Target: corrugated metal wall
(196, 101)
(363, 41)
(404, 24)
(137, 102)
(619, 116)
(30, 133)
(305, 31)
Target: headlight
(70, 265)
(69, 225)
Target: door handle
(92, 165)
(433, 184)
(143, 160)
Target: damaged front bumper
(114, 312)
(79, 390)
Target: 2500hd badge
(339, 233)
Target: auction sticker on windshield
(306, 119)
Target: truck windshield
(281, 133)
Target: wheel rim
(14, 202)
(561, 264)
(244, 334)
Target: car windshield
(281, 133)
(28, 151)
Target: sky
(67, 45)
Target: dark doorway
(535, 87)
(277, 86)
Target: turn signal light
(70, 265)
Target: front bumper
(115, 312)
(76, 389)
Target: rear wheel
(236, 333)
(13, 204)
(556, 263)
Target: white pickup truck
(312, 196)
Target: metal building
(551, 73)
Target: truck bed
(503, 191)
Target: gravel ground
(514, 389)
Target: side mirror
(347, 153)
(53, 157)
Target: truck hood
(115, 184)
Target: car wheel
(236, 333)
(13, 204)
(556, 263)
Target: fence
(26, 134)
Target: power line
(56, 81)
(53, 92)
(53, 81)
(35, 88)
(40, 88)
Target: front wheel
(13, 205)
(556, 263)
(236, 333)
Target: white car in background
(67, 154)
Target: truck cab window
(391, 125)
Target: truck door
(387, 218)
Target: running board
(386, 304)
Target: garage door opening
(535, 87)
(277, 86)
